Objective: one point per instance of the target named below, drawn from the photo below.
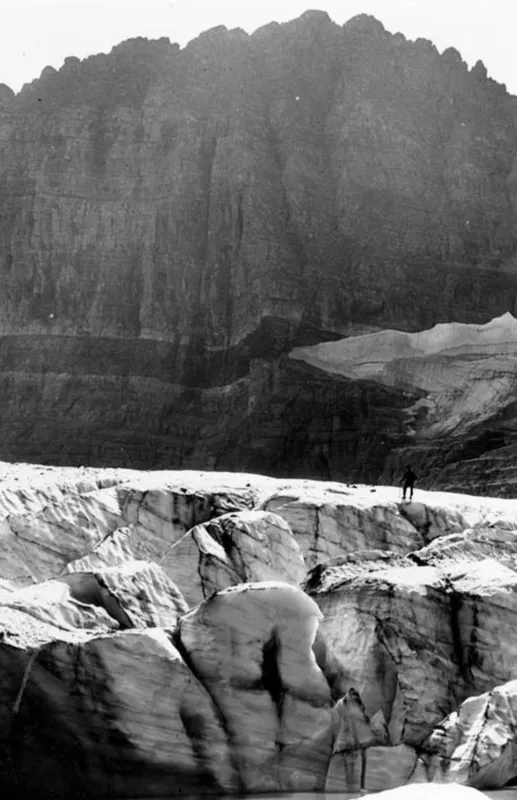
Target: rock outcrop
(463, 379)
(218, 664)
(251, 646)
(242, 547)
(107, 715)
(478, 741)
(173, 222)
(417, 640)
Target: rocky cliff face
(173, 222)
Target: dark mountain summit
(173, 222)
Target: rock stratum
(184, 633)
(174, 222)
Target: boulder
(433, 521)
(137, 594)
(477, 743)
(157, 511)
(52, 604)
(251, 647)
(241, 547)
(353, 734)
(116, 715)
(415, 641)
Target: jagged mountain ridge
(172, 222)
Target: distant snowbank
(388, 345)
(468, 372)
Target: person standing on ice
(408, 482)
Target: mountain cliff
(173, 222)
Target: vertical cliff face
(169, 216)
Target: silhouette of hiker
(408, 481)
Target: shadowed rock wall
(173, 221)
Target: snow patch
(469, 372)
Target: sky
(37, 33)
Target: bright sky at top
(36, 33)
